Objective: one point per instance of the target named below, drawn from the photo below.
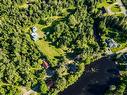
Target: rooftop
(45, 64)
(111, 43)
(34, 29)
(34, 36)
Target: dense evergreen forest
(72, 33)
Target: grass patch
(104, 3)
(23, 6)
(122, 46)
(115, 8)
(50, 51)
(123, 73)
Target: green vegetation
(50, 51)
(104, 3)
(45, 44)
(120, 89)
(115, 8)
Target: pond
(96, 79)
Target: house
(34, 29)
(72, 68)
(34, 36)
(45, 64)
(111, 43)
(50, 72)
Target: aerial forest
(71, 34)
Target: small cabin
(45, 64)
(34, 29)
(34, 36)
(111, 43)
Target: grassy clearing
(53, 17)
(50, 51)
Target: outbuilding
(34, 29)
(45, 64)
(34, 36)
(111, 43)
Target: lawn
(49, 50)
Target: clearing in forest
(46, 47)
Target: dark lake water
(95, 83)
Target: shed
(34, 36)
(34, 29)
(45, 64)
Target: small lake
(96, 79)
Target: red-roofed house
(45, 64)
